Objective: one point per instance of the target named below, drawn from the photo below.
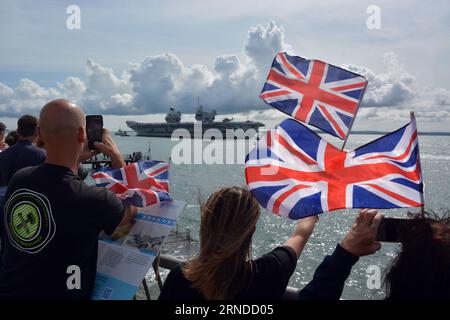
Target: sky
(136, 59)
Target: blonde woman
(224, 268)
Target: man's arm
(329, 278)
(109, 148)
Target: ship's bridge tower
(203, 116)
(173, 116)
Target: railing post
(147, 292)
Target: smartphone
(94, 129)
(390, 228)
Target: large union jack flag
(140, 184)
(314, 92)
(294, 172)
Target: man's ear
(81, 135)
(39, 140)
(38, 133)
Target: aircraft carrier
(205, 121)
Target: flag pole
(422, 207)
(353, 119)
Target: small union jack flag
(294, 172)
(314, 92)
(140, 184)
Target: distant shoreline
(379, 133)
(437, 133)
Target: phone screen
(94, 129)
(389, 229)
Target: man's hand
(130, 214)
(109, 148)
(360, 240)
(87, 154)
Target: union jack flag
(294, 172)
(312, 91)
(140, 184)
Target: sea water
(193, 183)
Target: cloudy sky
(134, 60)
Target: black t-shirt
(52, 221)
(270, 277)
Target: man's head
(26, 127)
(62, 128)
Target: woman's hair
(223, 265)
(11, 138)
(422, 268)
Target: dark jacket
(329, 277)
(21, 155)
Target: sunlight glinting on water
(191, 182)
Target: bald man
(52, 218)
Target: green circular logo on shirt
(29, 220)
(26, 220)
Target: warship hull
(197, 130)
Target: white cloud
(263, 43)
(162, 81)
(72, 88)
(27, 97)
(5, 93)
(226, 65)
(391, 94)
(232, 86)
(386, 89)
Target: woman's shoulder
(281, 258)
(281, 253)
(172, 281)
(177, 286)
(176, 273)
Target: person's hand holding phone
(109, 147)
(94, 130)
(361, 239)
(87, 154)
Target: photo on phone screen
(390, 228)
(94, 129)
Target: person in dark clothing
(11, 138)
(52, 218)
(421, 270)
(224, 269)
(330, 276)
(23, 153)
